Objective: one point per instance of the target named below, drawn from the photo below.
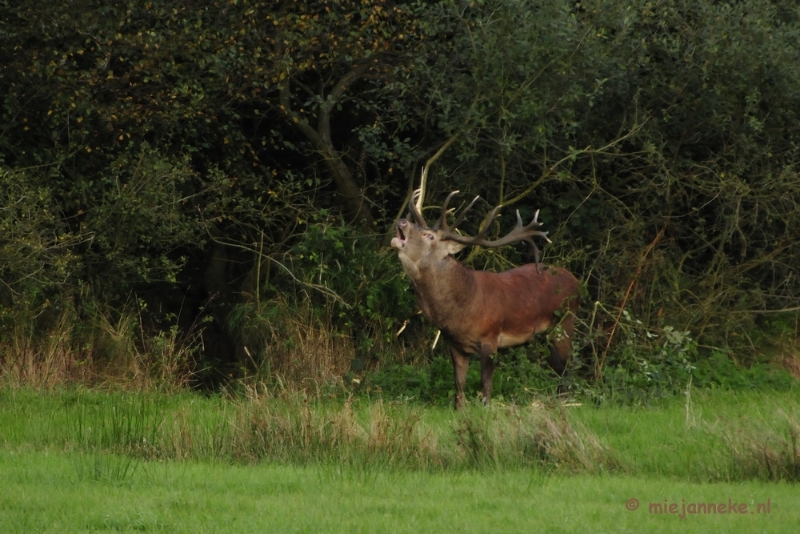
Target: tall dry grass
(292, 428)
(753, 437)
(764, 451)
(43, 359)
(295, 345)
(99, 349)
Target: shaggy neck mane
(444, 288)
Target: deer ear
(453, 247)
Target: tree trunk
(320, 137)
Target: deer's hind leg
(487, 371)
(561, 344)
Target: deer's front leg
(460, 366)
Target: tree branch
(324, 121)
(548, 172)
(321, 139)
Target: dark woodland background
(199, 193)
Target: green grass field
(57, 492)
(81, 461)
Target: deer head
(419, 245)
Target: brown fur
(480, 311)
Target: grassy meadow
(86, 461)
(58, 492)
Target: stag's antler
(414, 210)
(442, 222)
(521, 232)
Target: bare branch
(548, 172)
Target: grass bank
(710, 437)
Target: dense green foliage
(202, 190)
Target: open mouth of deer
(400, 238)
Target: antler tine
(464, 212)
(521, 232)
(529, 240)
(487, 222)
(412, 207)
(529, 229)
(442, 222)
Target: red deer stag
(479, 312)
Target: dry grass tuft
(764, 452)
(292, 342)
(101, 350)
(534, 436)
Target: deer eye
(429, 236)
